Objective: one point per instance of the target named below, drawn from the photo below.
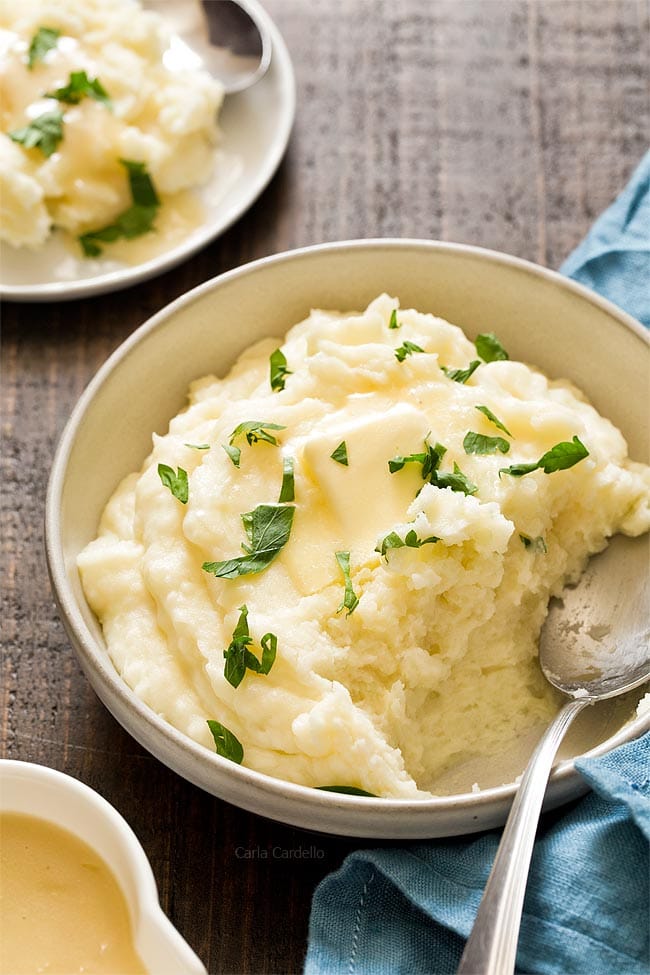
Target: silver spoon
(595, 644)
(225, 37)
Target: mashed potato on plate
(117, 99)
(341, 554)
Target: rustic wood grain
(504, 123)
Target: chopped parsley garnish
(558, 458)
(478, 443)
(407, 348)
(393, 323)
(350, 599)
(287, 491)
(534, 544)
(254, 431)
(226, 744)
(410, 540)
(279, 371)
(44, 40)
(176, 481)
(340, 454)
(430, 459)
(198, 446)
(44, 133)
(489, 348)
(239, 658)
(233, 452)
(493, 419)
(80, 86)
(269, 644)
(347, 790)
(461, 375)
(268, 528)
(137, 220)
(455, 480)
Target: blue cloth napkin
(614, 257)
(408, 910)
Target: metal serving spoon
(595, 644)
(225, 37)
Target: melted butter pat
(61, 909)
(350, 508)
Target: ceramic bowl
(540, 316)
(35, 790)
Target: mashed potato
(423, 655)
(164, 119)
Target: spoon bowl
(594, 645)
(596, 636)
(225, 38)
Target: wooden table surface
(504, 123)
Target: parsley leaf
(490, 415)
(534, 544)
(430, 459)
(198, 446)
(393, 323)
(563, 455)
(558, 458)
(347, 790)
(233, 452)
(350, 599)
(461, 375)
(80, 86)
(237, 653)
(44, 40)
(269, 644)
(226, 744)
(142, 188)
(287, 491)
(410, 540)
(489, 348)
(176, 482)
(397, 463)
(340, 454)
(44, 133)
(136, 220)
(254, 431)
(239, 658)
(407, 348)
(457, 481)
(478, 443)
(268, 528)
(279, 371)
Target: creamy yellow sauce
(61, 909)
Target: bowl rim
(149, 911)
(106, 680)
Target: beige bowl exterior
(541, 318)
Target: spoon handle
(492, 945)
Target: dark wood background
(504, 123)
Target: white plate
(255, 126)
